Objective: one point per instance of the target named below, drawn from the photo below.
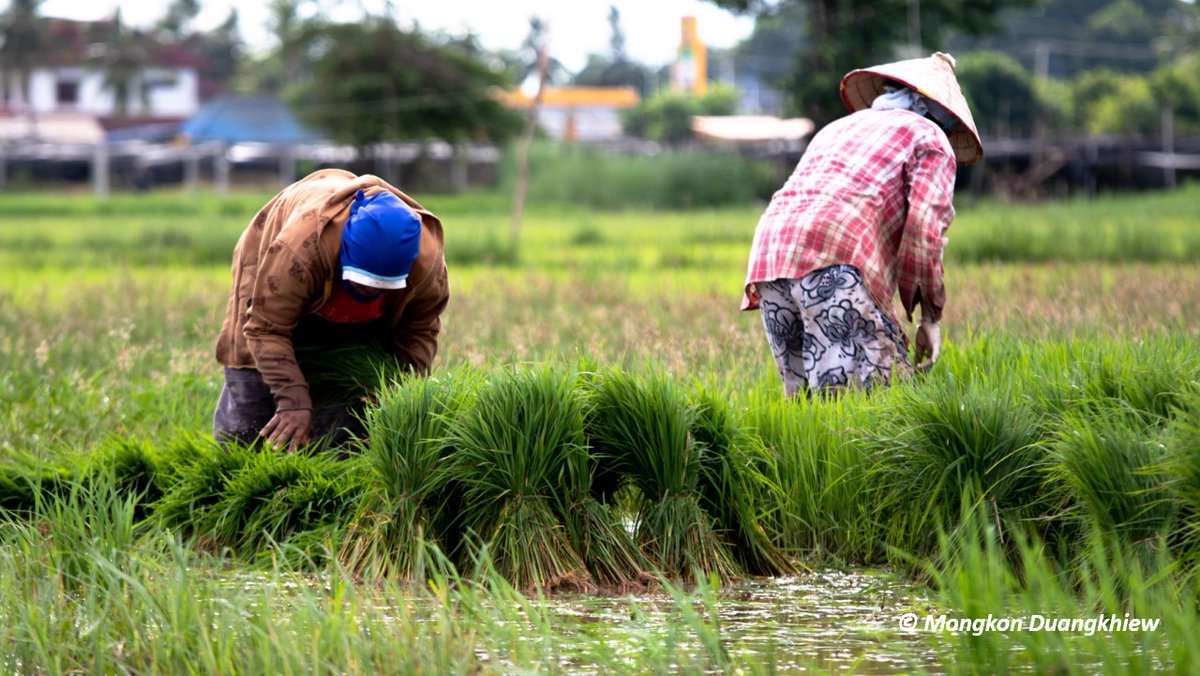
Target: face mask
(357, 295)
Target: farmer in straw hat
(863, 215)
(332, 257)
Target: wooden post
(191, 169)
(1168, 145)
(531, 121)
(221, 170)
(100, 167)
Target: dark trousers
(246, 405)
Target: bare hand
(929, 345)
(288, 428)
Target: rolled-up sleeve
(930, 178)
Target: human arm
(415, 333)
(930, 185)
(285, 282)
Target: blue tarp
(247, 119)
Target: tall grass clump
(739, 485)
(643, 427)
(944, 441)
(407, 485)
(671, 180)
(200, 482)
(522, 434)
(1111, 470)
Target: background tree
(1000, 92)
(615, 69)
(667, 116)
(174, 24)
(123, 59)
(847, 34)
(23, 38)
(374, 82)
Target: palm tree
(123, 60)
(22, 37)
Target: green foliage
(667, 117)
(1000, 92)
(682, 179)
(375, 82)
(1111, 469)
(951, 445)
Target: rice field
(602, 474)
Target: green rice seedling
(1110, 585)
(739, 485)
(28, 481)
(1181, 466)
(522, 434)
(199, 485)
(645, 429)
(1148, 377)
(406, 487)
(1111, 469)
(826, 508)
(347, 371)
(276, 494)
(945, 440)
(134, 465)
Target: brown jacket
(283, 270)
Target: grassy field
(1048, 465)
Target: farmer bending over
(333, 259)
(863, 215)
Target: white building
(71, 78)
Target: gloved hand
(929, 344)
(288, 428)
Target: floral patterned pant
(826, 332)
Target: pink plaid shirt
(873, 190)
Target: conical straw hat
(933, 77)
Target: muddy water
(827, 621)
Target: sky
(577, 27)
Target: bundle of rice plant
(739, 486)
(644, 429)
(275, 495)
(826, 508)
(1182, 465)
(406, 486)
(513, 447)
(347, 371)
(946, 443)
(134, 467)
(199, 481)
(1111, 469)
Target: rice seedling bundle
(739, 485)
(347, 371)
(274, 495)
(1111, 468)
(513, 447)
(828, 508)
(945, 442)
(199, 483)
(407, 488)
(645, 430)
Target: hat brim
(931, 79)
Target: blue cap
(381, 240)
